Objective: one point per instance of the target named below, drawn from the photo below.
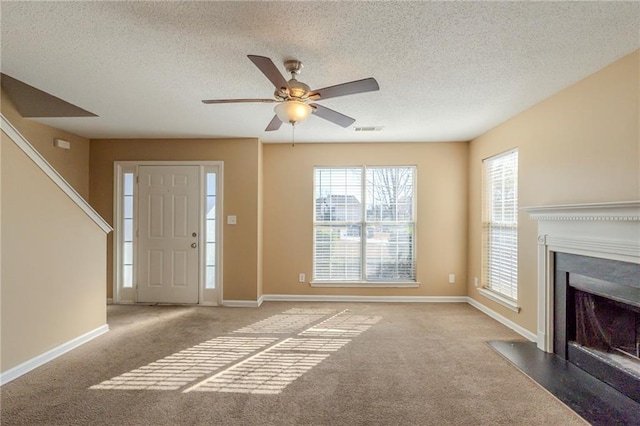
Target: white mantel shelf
(626, 210)
(605, 230)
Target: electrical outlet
(452, 278)
(475, 281)
(301, 277)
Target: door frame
(208, 297)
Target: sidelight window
(127, 230)
(210, 231)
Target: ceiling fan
(295, 100)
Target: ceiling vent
(369, 129)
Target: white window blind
(500, 212)
(364, 227)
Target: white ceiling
(448, 71)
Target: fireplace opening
(597, 318)
(609, 330)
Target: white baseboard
(507, 322)
(241, 303)
(338, 298)
(401, 299)
(50, 355)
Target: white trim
(504, 321)
(402, 299)
(383, 299)
(50, 355)
(364, 284)
(48, 169)
(123, 294)
(206, 297)
(619, 211)
(616, 249)
(241, 303)
(345, 298)
(500, 299)
(604, 230)
(211, 297)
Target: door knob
(194, 235)
(194, 245)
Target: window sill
(366, 284)
(498, 298)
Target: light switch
(231, 220)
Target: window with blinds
(364, 226)
(500, 224)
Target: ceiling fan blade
(274, 124)
(270, 70)
(235, 101)
(332, 116)
(360, 86)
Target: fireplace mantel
(605, 230)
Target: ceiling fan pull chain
(293, 134)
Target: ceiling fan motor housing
(296, 90)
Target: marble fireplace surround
(604, 230)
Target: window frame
(363, 223)
(488, 289)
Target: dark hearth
(597, 318)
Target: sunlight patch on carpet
(184, 367)
(281, 324)
(342, 326)
(268, 372)
(257, 365)
(310, 311)
(316, 345)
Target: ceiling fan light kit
(292, 111)
(293, 96)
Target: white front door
(168, 240)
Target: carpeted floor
(286, 364)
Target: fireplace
(589, 289)
(597, 318)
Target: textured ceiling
(448, 71)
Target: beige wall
(241, 186)
(53, 262)
(260, 217)
(441, 212)
(578, 146)
(72, 164)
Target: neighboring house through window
(364, 224)
(500, 227)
